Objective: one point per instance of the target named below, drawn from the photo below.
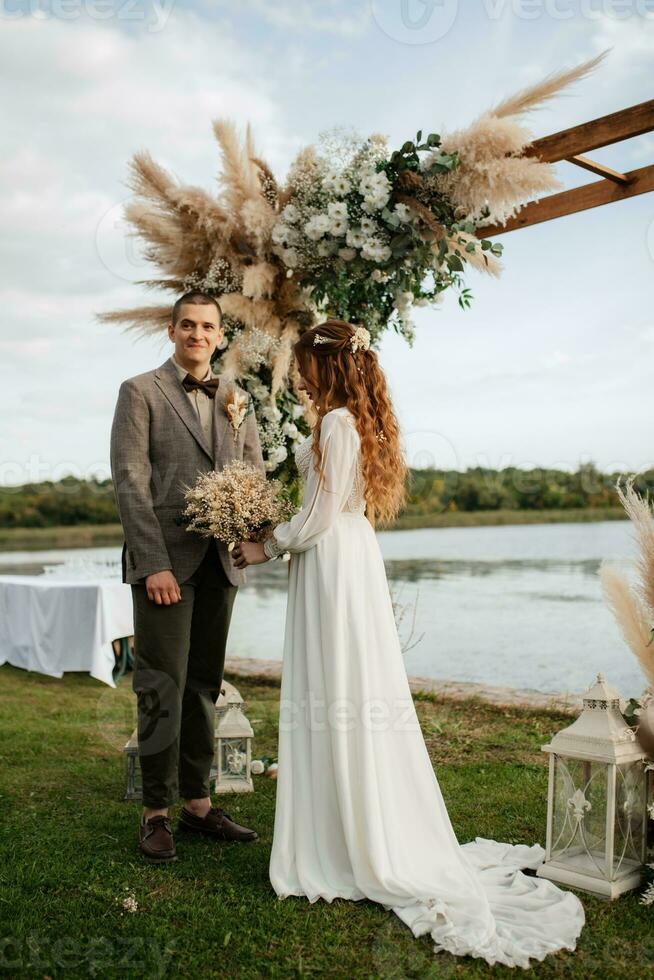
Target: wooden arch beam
(572, 143)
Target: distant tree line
(71, 502)
(512, 488)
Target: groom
(169, 426)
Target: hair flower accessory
(360, 340)
(320, 338)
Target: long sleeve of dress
(325, 493)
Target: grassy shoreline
(68, 854)
(105, 535)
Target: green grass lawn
(68, 854)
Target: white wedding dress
(359, 811)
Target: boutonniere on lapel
(238, 405)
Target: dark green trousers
(179, 656)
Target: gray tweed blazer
(157, 448)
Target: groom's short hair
(196, 297)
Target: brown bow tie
(208, 387)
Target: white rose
(277, 455)
(347, 254)
(290, 257)
(297, 411)
(290, 429)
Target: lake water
(516, 605)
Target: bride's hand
(249, 553)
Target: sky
(552, 365)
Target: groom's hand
(162, 588)
(249, 553)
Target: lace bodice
(356, 501)
(338, 489)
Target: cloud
(87, 93)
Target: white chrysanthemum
(337, 209)
(347, 254)
(258, 391)
(328, 181)
(339, 228)
(280, 233)
(375, 251)
(317, 226)
(403, 212)
(290, 257)
(326, 248)
(376, 200)
(374, 184)
(355, 238)
(271, 412)
(290, 430)
(403, 300)
(368, 226)
(290, 213)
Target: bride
(359, 811)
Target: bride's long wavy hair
(339, 376)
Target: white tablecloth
(51, 626)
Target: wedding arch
(358, 231)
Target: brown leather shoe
(156, 841)
(217, 824)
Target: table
(52, 625)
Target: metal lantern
(597, 800)
(134, 790)
(233, 752)
(229, 698)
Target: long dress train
(359, 811)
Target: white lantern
(597, 800)
(229, 697)
(233, 752)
